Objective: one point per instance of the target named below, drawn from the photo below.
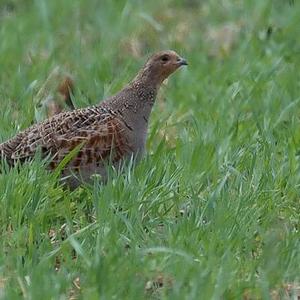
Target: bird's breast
(137, 139)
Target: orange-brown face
(164, 63)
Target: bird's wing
(97, 132)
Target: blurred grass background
(213, 211)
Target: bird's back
(96, 131)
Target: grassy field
(213, 210)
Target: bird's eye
(165, 58)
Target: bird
(99, 135)
(55, 94)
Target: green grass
(213, 210)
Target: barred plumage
(115, 129)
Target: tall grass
(212, 211)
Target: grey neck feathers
(149, 76)
(134, 103)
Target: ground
(212, 211)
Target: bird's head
(161, 65)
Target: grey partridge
(107, 133)
(55, 94)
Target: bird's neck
(144, 90)
(134, 103)
(149, 77)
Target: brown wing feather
(99, 143)
(99, 131)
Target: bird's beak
(182, 62)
